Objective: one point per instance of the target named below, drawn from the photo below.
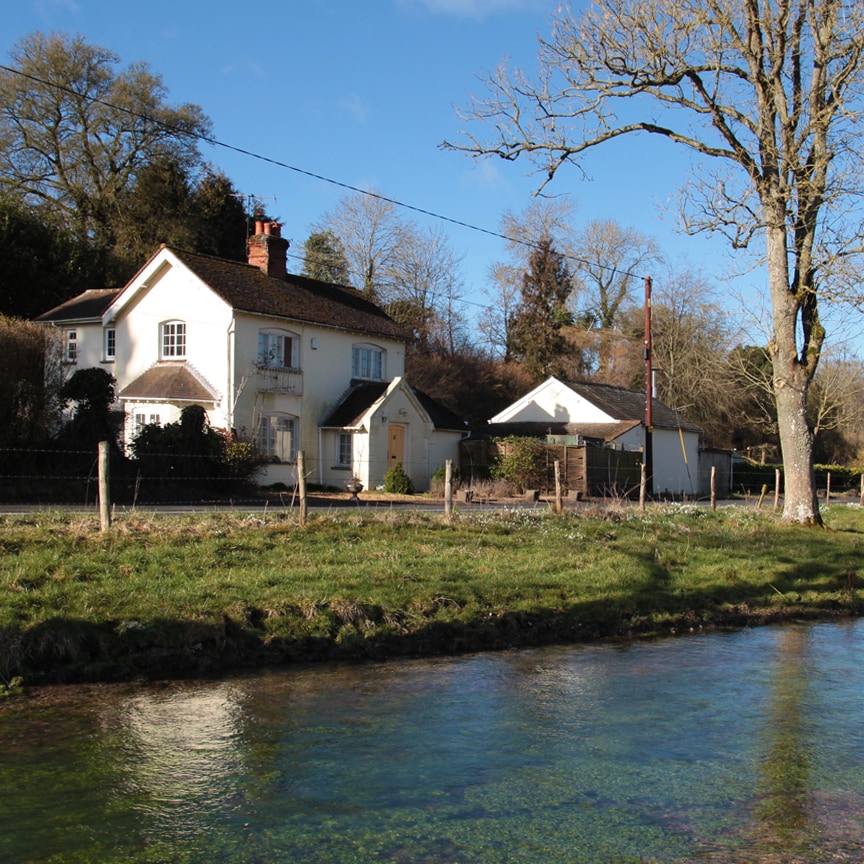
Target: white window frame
(344, 450)
(70, 345)
(172, 340)
(273, 431)
(139, 421)
(110, 343)
(275, 347)
(368, 362)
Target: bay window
(277, 437)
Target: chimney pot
(268, 251)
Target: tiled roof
(349, 411)
(89, 305)
(169, 382)
(246, 288)
(623, 404)
(441, 417)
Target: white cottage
(284, 361)
(608, 416)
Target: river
(709, 748)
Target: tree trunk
(791, 382)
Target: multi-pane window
(173, 339)
(367, 362)
(110, 343)
(141, 420)
(277, 437)
(278, 349)
(71, 346)
(343, 450)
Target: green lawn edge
(197, 595)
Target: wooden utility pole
(649, 394)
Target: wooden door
(395, 446)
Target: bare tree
(424, 286)
(371, 233)
(613, 262)
(691, 340)
(767, 94)
(611, 266)
(837, 408)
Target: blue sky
(363, 93)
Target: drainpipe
(229, 390)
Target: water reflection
(181, 751)
(785, 782)
(743, 747)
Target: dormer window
(278, 349)
(173, 340)
(367, 362)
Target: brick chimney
(267, 248)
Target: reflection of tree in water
(784, 803)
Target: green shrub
(397, 482)
(520, 461)
(439, 475)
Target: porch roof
(169, 381)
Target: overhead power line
(215, 142)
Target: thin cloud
(476, 9)
(47, 8)
(355, 106)
(485, 175)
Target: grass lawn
(159, 596)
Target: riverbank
(189, 595)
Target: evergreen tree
(40, 265)
(324, 258)
(535, 337)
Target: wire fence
(63, 475)
(46, 475)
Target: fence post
(762, 496)
(643, 482)
(777, 489)
(559, 506)
(828, 488)
(713, 487)
(301, 485)
(104, 487)
(448, 488)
